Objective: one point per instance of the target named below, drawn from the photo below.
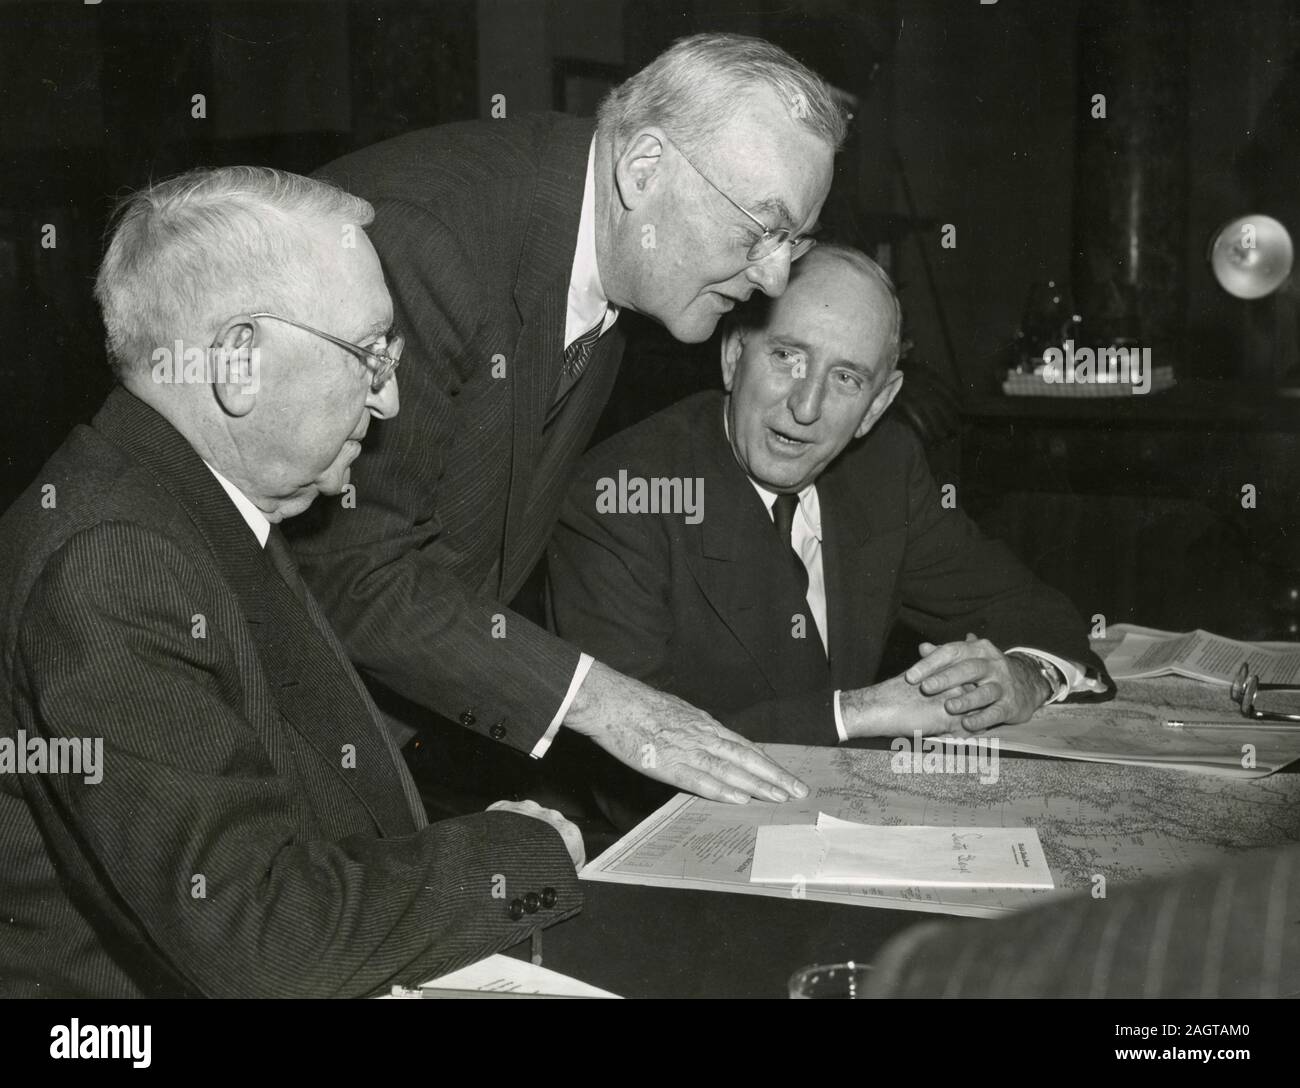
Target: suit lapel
(740, 567)
(860, 563)
(541, 298)
(310, 678)
(562, 442)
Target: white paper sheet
(1095, 820)
(1200, 655)
(506, 976)
(841, 852)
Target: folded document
(865, 855)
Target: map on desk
(1206, 737)
(1118, 822)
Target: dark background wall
(967, 114)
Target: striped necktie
(577, 353)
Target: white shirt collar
(587, 301)
(257, 521)
(809, 504)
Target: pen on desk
(1239, 725)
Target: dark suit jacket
(232, 847)
(476, 225)
(1228, 931)
(705, 611)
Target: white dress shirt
(587, 305)
(587, 301)
(806, 540)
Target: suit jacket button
(467, 718)
(498, 731)
(549, 897)
(531, 902)
(516, 909)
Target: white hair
(696, 86)
(187, 253)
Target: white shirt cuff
(1075, 680)
(585, 662)
(839, 719)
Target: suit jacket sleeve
(385, 572)
(610, 594)
(1160, 939)
(189, 790)
(955, 580)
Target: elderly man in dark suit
(780, 632)
(511, 246)
(248, 828)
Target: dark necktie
(783, 511)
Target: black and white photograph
(650, 499)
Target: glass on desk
(830, 980)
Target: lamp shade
(1251, 256)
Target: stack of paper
(1198, 655)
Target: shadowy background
(974, 115)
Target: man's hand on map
(895, 708)
(998, 688)
(667, 739)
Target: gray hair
(755, 313)
(695, 87)
(187, 253)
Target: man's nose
(805, 399)
(384, 404)
(771, 273)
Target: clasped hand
(969, 685)
(995, 688)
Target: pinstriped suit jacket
(1230, 931)
(476, 226)
(254, 832)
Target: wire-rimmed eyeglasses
(1245, 686)
(773, 239)
(381, 362)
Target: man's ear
(637, 168)
(733, 346)
(235, 362)
(883, 400)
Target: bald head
(808, 372)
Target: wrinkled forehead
(832, 304)
(774, 165)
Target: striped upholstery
(1228, 931)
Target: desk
(658, 942)
(640, 941)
